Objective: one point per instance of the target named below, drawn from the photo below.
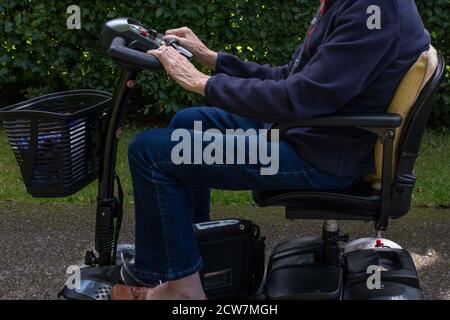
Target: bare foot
(189, 288)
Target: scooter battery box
(233, 254)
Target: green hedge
(39, 54)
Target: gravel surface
(39, 241)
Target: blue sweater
(345, 68)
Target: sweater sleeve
(235, 67)
(351, 58)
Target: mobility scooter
(67, 140)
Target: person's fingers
(173, 37)
(180, 32)
(153, 53)
(174, 55)
(172, 50)
(172, 32)
(158, 52)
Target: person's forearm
(200, 84)
(235, 67)
(207, 58)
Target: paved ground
(38, 242)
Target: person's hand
(181, 69)
(187, 39)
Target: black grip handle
(121, 53)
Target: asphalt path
(39, 241)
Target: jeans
(170, 197)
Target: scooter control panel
(138, 37)
(152, 39)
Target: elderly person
(344, 65)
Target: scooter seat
(359, 202)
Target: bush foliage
(38, 53)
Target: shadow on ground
(39, 241)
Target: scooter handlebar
(130, 57)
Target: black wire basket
(57, 140)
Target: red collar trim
(323, 6)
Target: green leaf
(159, 12)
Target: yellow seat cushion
(404, 99)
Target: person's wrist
(200, 84)
(212, 60)
(208, 58)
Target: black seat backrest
(409, 144)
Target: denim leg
(211, 118)
(165, 244)
(166, 249)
